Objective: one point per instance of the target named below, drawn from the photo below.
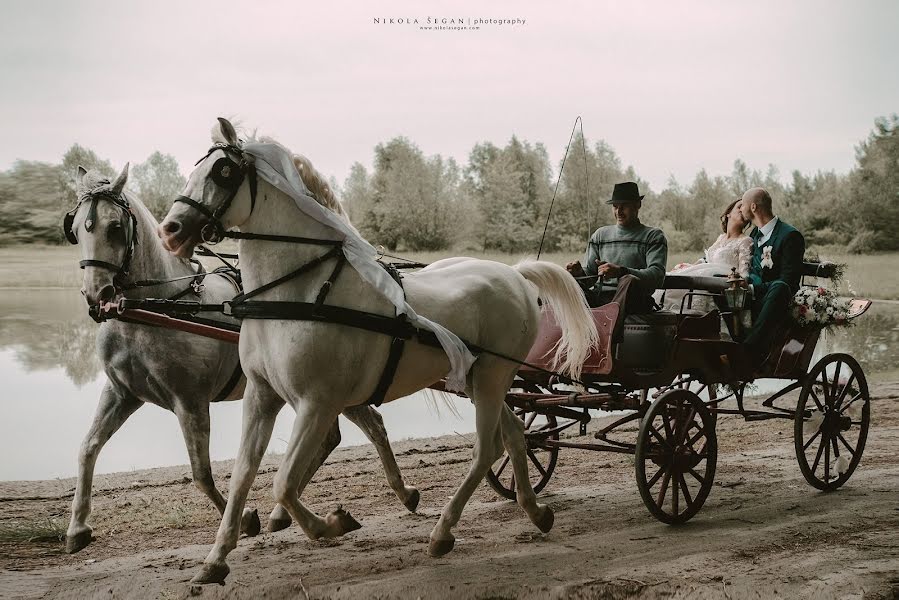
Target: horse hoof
(545, 523)
(342, 522)
(212, 573)
(79, 541)
(438, 548)
(413, 500)
(278, 524)
(249, 523)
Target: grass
(41, 530)
(38, 266)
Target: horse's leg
(279, 518)
(113, 410)
(309, 429)
(194, 421)
(260, 407)
(512, 430)
(371, 423)
(488, 388)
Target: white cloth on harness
(275, 165)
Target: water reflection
(52, 380)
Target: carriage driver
(628, 248)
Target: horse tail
(559, 290)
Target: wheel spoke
(845, 391)
(659, 437)
(835, 386)
(675, 494)
(667, 425)
(824, 386)
(697, 476)
(661, 497)
(536, 462)
(685, 427)
(811, 439)
(686, 490)
(827, 461)
(693, 439)
(845, 443)
(820, 451)
(656, 477)
(817, 401)
(530, 421)
(851, 402)
(502, 466)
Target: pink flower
(803, 309)
(821, 291)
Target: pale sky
(672, 86)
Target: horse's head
(104, 228)
(215, 198)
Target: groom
(775, 272)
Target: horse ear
(229, 134)
(80, 172)
(119, 184)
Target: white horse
(321, 368)
(178, 371)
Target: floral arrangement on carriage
(820, 307)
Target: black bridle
(103, 192)
(229, 175)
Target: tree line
(499, 199)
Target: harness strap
(241, 298)
(240, 235)
(387, 375)
(230, 384)
(99, 263)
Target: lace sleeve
(744, 256)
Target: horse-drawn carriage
(673, 373)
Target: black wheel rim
(832, 419)
(676, 456)
(708, 393)
(541, 460)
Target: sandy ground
(763, 532)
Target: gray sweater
(642, 250)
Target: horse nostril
(172, 227)
(107, 293)
(83, 292)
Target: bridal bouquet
(820, 307)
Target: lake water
(52, 381)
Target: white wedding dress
(720, 258)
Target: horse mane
(314, 181)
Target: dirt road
(763, 532)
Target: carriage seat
(647, 339)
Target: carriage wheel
(677, 451)
(708, 393)
(832, 419)
(541, 461)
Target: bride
(732, 249)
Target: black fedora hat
(624, 193)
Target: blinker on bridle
(228, 175)
(93, 196)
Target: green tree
(158, 181)
(875, 188)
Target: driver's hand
(575, 269)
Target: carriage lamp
(735, 295)
(735, 299)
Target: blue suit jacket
(787, 253)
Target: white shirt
(766, 230)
